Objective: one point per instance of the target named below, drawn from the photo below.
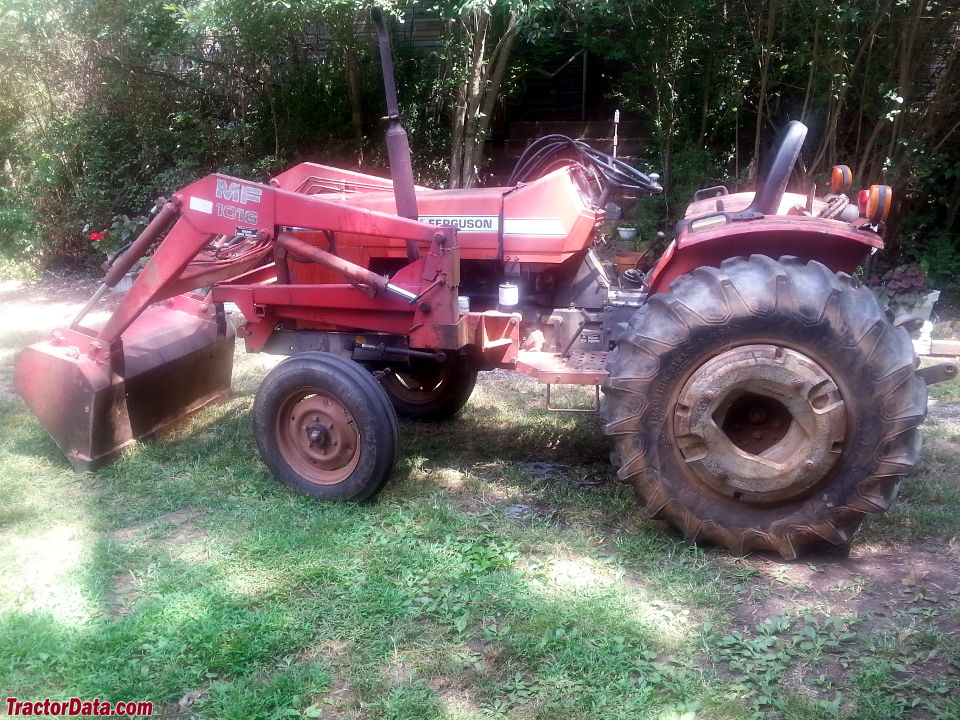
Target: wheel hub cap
(760, 423)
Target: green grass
(946, 392)
(185, 574)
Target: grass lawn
(502, 574)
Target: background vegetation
(105, 105)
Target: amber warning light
(840, 178)
(875, 203)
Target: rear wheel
(764, 405)
(428, 390)
(324, 427)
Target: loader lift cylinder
(121, 265)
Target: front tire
(764, 405)
(325, 428)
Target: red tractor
(756, 396)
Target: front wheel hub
(760, 423)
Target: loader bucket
(95, 400)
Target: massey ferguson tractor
(756, 396)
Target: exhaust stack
(398, 146)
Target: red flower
(96, 236)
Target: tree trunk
(907, 66)
(476, 24)
(477, 94)
(811, 77)
(705, 104)
(772, 10)
(491, 91)
(353, 93)
(828, 142)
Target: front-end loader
(755, 394)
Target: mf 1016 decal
(233, 192)
(237, 193)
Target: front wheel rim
(317, 436)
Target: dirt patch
(576, 477)
(329, 651)
(338, 703)
(28, 311)
(455, 696)
(124, 585)
(814, 627)
(49, 303)
(51, 288)
(945, 413)
(887, 584)
(183, 708)
(397, 673)
(947, 329)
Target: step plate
(581, 368)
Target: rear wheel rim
(318, 436)
(760, 423)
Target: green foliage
(159, 95)
(104, 106)
(18, 230)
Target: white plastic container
(463, 303)
(124, 283)
(509, 295)
(923, 341)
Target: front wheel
(764, 405)
(325, 428)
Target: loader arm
(165, 352)
(223, 205)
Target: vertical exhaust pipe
(398, 146)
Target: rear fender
(836, 245)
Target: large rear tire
(764, 405)
(325, 428)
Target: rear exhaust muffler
(398, 144)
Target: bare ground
(29, 310)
